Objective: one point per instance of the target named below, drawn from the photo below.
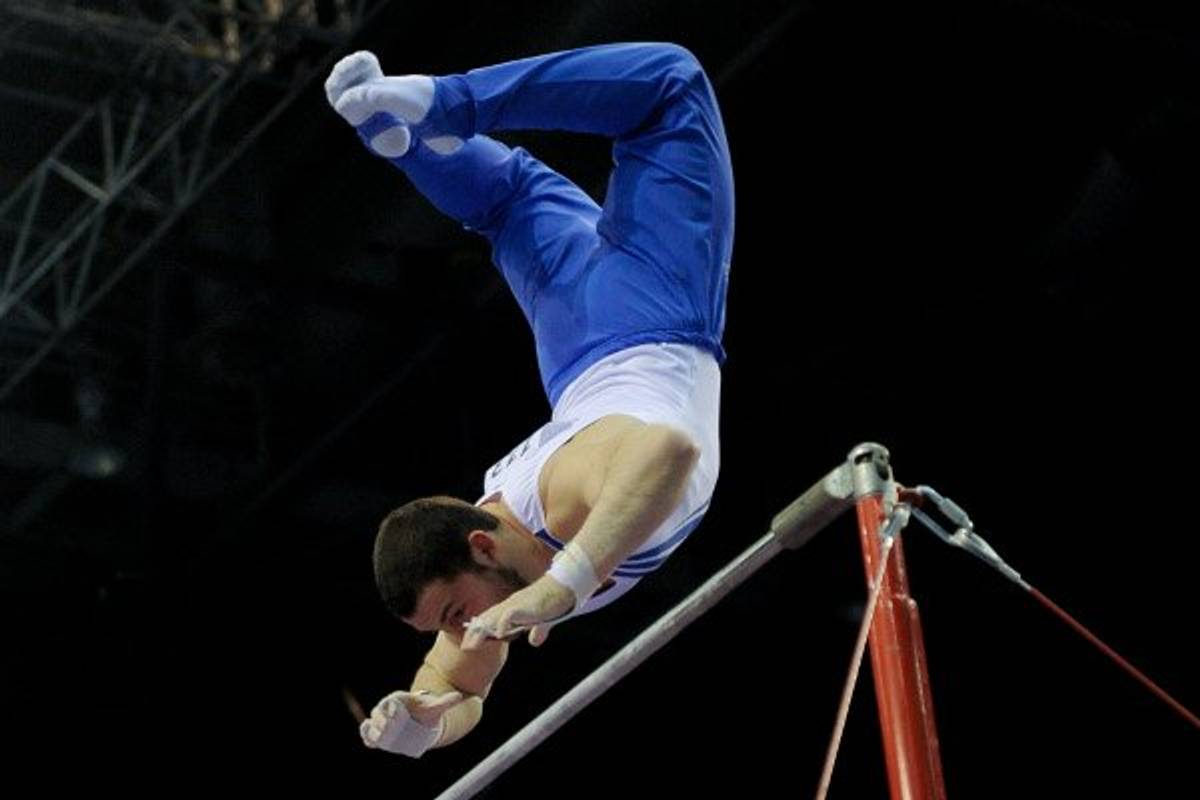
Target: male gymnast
(627, 307)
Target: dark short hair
(423, 541)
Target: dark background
(966, 231)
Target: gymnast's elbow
(674, 446)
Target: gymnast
(627, 307)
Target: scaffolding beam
(149, 156)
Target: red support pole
(910, 741)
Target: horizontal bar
(812, 511)
(611, 671)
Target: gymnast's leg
(670, 197)
(533, 216)
(653, 262)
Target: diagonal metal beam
(162, 170)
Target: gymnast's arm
(631, 475)
(636, 488)
(448, 668)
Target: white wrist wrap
(572, 568)
(392, 728)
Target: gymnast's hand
(408, 723)
(539, 603)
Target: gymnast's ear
(483, 547)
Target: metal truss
(138, 158)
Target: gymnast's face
(448, 605)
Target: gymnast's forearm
(460, 720)
(645, 482)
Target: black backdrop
(965, 233)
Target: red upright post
(910, 741)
